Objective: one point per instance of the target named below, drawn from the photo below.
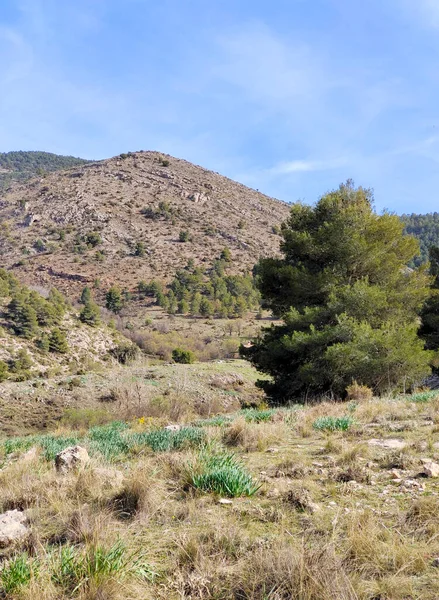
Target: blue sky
(290, 97)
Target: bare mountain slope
(70, 228)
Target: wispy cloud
(301, 166)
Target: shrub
(125, 353)
(3, 371)
(185, 357)
(90, 314)
(355, 391)
(113, 299)
(183, 236)
(16, 574)
(332, 423)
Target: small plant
(164, 440)
(184, 236)
(16, 574)
(222, 473)
(333, 423)
(184, 357)
(254, 415)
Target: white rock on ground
(71, 458)
(431, 469)
(391, 443)
(13, 527)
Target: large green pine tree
(348, 302)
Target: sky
(290, 97)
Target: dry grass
(308, 534)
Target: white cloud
(301, 166)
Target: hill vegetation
(21, 166)
(426, 229)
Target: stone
(110, 478)
(13, 527)
(71, 458)
(225, 501)
(431, 469)
(173, 427)
(272, 450)
(390, 443)
(435, 562)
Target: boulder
(71, 459)
(431, 469)
(13, 527)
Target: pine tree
(348, 302)
(23, 316)
(90, 314)
(58, 341)
(85, 295)
(113, 300)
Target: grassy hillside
(324, 502)
(20, 165)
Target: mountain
(426, 229)
(20, 166)
(134, 217)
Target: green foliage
(222, 473)
(17, 573)
(333, 423)
(113, 300)
(422, 397)
(184, 357)
(20, 166)
(125, 353)
(93, 239)
(184, 236)
(90, 314)
(21, 362)
(162, 440)
(58, 341)
(254, 415)
(426, 229)
(348, 302)
(85, 295)
(140, 250)
(205, 293)
(4, 372)
(23, 317)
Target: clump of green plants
(17, 573)
(163, 440)
(333, 423)
(216, 421)
(222, 473)
(254, 415)
(421, 397)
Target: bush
(58, 342)
(357, 392)
(3, 371)
(125, 353)
(90, 314)
(184, 357)
(183, 236)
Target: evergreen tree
(23, 316)
(429, 329)
(58, 341)
(113, 300)
(90, 314)
(85, 295)
(348, 302)
(206, 307)
(195, 304)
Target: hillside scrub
(350, 306)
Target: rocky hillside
(134, 217)
(20, 166)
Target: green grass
(73, 569)
(333, 423)
(222, 473)
(254, 415)
(423, 396)
(17, 573)
(111, 442)
(217, 421)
